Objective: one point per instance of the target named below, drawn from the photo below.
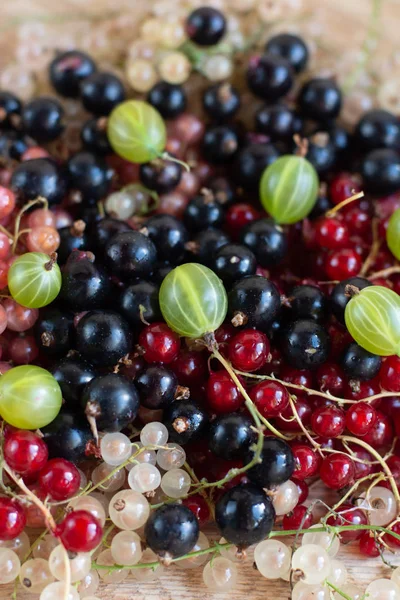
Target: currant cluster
(199, 318)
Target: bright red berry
(330, 378)
(302, 488)
(390, 539)
(331, 233)
(222, 393)
(199, 508)
(337, 471)
(25, 452)
(12, 518)
(348, 515)
(298, 518)
(238, 216)
(343, 186)
(342, 264)
(381, 433)
(389, 374)
(80, 531)
(190, 368)
(328, 421)
(306, 460)
(248, 350)
(287, 422)
(368, 544)
(159, 343)
(358, 221)
(270, 398)
(7, 202)
(298, 376)
(360, 418)
(60, 479)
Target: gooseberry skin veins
(31, 284)
(289, 189)
(193, 300)
(372, 318)
(393, 234)
(30, 397)
(136, 131)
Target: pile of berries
(197, 320)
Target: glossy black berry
(139, 304)
(13, 144)
(112, 400)
(42, 119)
(160, 176)
(340, 296)
(186, 421)
(103, 337)
(278, 122)
(251, 163)
(220, 144)
(39, 177)
(101, 92)
(377, 128)
(269, 76)
(90, 175)
(308, 302)
(206, 26)
(157, 386)
(203, 211)
(267, 240)
(72, 374)
(54, 331)
(231, 436)
(206, 244)
(85, 284)
(9, 105)
(67, 436)
(360, 364)
(223, 189)
(68, 70)
(234, 261)
(320, 99)
(341, 140)
(169, 236)
(305, 344)
(245, 515)
(104, 230)
(94, 137)
(291, 47)
(254, 301)
(321, 152)
(73, 237)
(130, 254)
(168, 98)
(277, 463)
(171, 530)
(380, 170)
(221, 101)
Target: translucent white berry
(35, 575)
(351, 590)
(338, 575)
(80, 564)
(126, 548)
(144, 456)
(395, 576)
(285, 498)
(110, 575)
(327, 540)
(144, 478)
(302, 591)
(313, 562)
(20, 544)
(272, 558)
(196, 561)
(9, 565)
(383, 589)
(115, 448)
(380, 505)
(110, 483)
(129, 510)
(220, 574)
(231, 553)
(56, 591)
(173, 458)
(154, 434)
(151, 573)
(176, 483)
(89, 585)
(90, 504)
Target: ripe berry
(348, 515)
(369, 546)
(328, 422)
(238, 216)
(330, 378)
(199, 508)
(60, 479)
(276, 466)
(25, 452)
(337, 471)
(306, 461)
(248, 350)
(159, 343)
(381, 433)
(343, 186)
(270, 398)
(298, 518)
(223, 394)
(330, 233)
(286, 420)
(342, 264)
(80, 531)
(12, 519)
(206, 26)
(303, 490)
(360, 364)
(389, 375)
(360, 418)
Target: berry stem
(38, 200)
(343, 203)
(167, 156)
(337, 590)
(376, 244)
(302, 427)
(385, 273)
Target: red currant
(287, 421)
(306, 460)
(369, 545)
(362, 469)
(238, 216)
(60, 479)
(390, 539)
(303, 490)
(222, 393)
(25, 452)
(12, 518)
(358, 221)
(80, 531)
(298, 377)
(331, 233)
(199, 508)
(330, 378)
(343, 186)
(348, 515)
(159, 343)
(190, 368)
(389, 375)
(360, 418)
(248, 350)
(298, 518)
(381, 433)
(270, 398)
(328, 421)
(7, 202)
(342, 264)
(337, 471)
(360, 390)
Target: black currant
(85, 285)
(380, 170)
(206, 244)
(203, 211)
(139, 303)
(13, 144)
(160, 176)
(305, 344)
(39, 177)
(321, 152)
(245, 515)
(68, 70)
(104, 230)
(67, 436)
(111, 400)
(267, 240)
(168, 98)
(269, 76)
(278, 122)
(206, 26)
(101, 92)
(231, 436)
(157, 386)
(171, 530)
(9, 105)
(72, 374)
(377, 128)
(308, 302)
(223, 189)
(103, 337)
(254, 301)
(234, 261)
(220, 144)
(94, 137)
(42, 119)
(186, 421)
(74, 237)
(277, 463)
(54, 331)
(291, 47)
(130, 254)
(360, 364)
(169, 236)
(320, 99)
(340, 296)
(251, 163)
(90, 175)
(221, 101)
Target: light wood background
(344, 25)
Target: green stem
(337, 590)
(335, 529)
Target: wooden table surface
(345, 23)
